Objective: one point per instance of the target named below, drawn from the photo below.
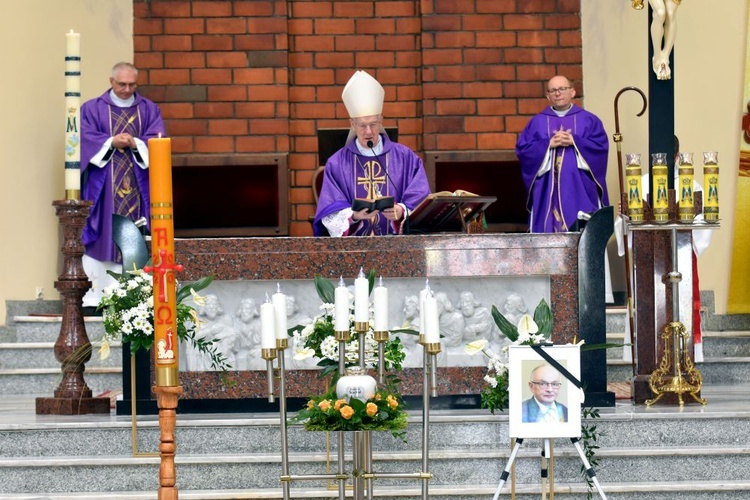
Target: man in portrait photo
(542, 406)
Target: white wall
(33, 85)
(708, 80)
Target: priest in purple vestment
(563, 153)
(369, 166)
(115, 129)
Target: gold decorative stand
(362, 473)
(676, 373)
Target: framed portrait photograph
(543, 403)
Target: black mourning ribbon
(552, 361)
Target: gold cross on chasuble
(372, 179)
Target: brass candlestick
(676, 373)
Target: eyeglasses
(559, 90)
(365, 126)
(126, 84)
(547, 385)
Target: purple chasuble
(556, 195)
(121, 186)
(397, 171)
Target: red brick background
(262, 76)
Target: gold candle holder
(432, 347)
(268, 354)
(711, 186)
(342, 335)
(361, 326)
(686, 203)
(381, 336)
(282, 344)
(660, 181)
(635, 188)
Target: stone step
(44, 381)
(42, 355)
(715, 371)
(449, 468)
(46, 328)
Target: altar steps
(659, 453)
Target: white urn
(356, 384)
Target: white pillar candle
(267, 326)
(280, 318)
(431, 321)
(380, 299)
(422, 294)
(361, 298)
(72, 153)
(341, 308)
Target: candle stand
(72, 348)
(362, 473)
(676, 373)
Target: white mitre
(363, 95)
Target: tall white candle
(73, 115)
(267, 326)
(361, 298)
(279, 306)
(341, 308)
(422, 294)
(431, 321)
(380, 299)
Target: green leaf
(594, 347)
(543, 318)
(505, 326)
(325, 289)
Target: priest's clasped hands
(123, 141)
(561, 138)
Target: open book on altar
(371, 205)
(447, 211)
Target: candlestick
(267, 325)
(686, 205)
(633, 181)
(380, 299)
(361, 298)
(279, 305)
(431, 320)
(711, 186)
(660, 198)
(73, 116)
(341, 308)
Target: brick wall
(262, 76)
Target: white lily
(303, 353)
(475, 347)
(198, 299)
(526, 325)
(104, 349)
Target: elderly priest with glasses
(371, 184)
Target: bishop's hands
(394, 213)
(562, 138)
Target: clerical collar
(365, 151)
(121, 103)
(562, 112)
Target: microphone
(371, 145)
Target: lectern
(447, 213)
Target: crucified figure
(663, 32)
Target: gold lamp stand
(676, 373)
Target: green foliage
(589, 437)
(128, 315)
